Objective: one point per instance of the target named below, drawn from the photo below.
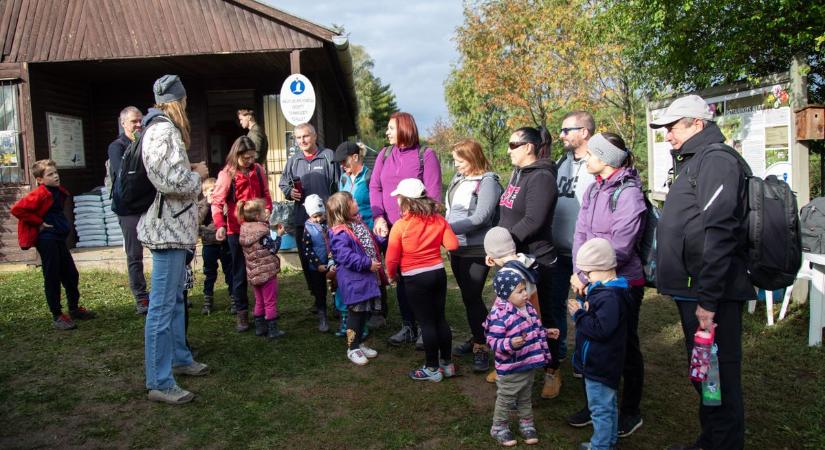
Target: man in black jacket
(701, 256)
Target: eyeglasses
(569, 129)
(515, 145)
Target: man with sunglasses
(701, 256)
(577, 127)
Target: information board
(66, 140)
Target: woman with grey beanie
(613, 208)
(169, 229)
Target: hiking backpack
(774, 251)
(646, 243)
(132, 192)
(812, 226)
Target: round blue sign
(297, 87)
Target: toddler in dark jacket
(601, 330)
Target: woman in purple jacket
(403, 158)
(614, 208)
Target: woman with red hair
(404, 157)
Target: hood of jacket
(151, 114)
(252, 232)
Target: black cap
(344, 150)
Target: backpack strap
(718, 146)
(231, 194)
(614, 198)
(421, 151)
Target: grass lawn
(85, 388)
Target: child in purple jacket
(514, 332)
(358, 258)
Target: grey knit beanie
(499, 243)
(601, 148)
(168, 88)
(596, 254)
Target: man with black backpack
(130, 123)
(702, 256)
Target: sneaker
(464, 348)
(419, 342)
(481, 358)
(491, 377)
(357, 356)
(503, 436)
(580, 419)
(82, 313)
(552, 384)
(174, 395)
(195, 369)
(64, 323)
(368, 352)
(446, 369)
(629, 424)
(405, 335)
(576, 373)
(584, 446)
(323, 326)
(529, 434)
(142, 306)
(426, 374)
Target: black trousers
(318, 287)
(58, 269)
(355, 322)
(427, 294)
(545, 294)
(723, 426)
(470, 273)
(238, 289)
(299, 242)
(211, 254)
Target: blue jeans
(559, 290)
(601, 400)
(165, 335)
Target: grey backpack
(812, 224)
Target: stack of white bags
(95, 222)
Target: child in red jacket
(42, 224)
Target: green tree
(376, 101)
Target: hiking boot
(503, 436)
(447, 369)
(368, 352)
(405, 335)
(207, 305)
(580, 419)
(376, 321)
(357, 356)
(323, 326)
(464, 348)
(426, 374)
(242, 321)
(419, 341)
(528, 433)
(260, 326)
(142, 306)
(576, 373)
(82, 313)
(195, 369)
(491, 377)
(481, 358)
(628, 424)
(552, 384)
(174, 395)
(272, 331)
(63, 322)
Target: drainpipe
(345, 59)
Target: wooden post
(800, 155)
(26, 122)
(295, 62)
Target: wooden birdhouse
(810, 123)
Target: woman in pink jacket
(240, 179)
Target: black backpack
(132, 192)
(646, 243)
(774, 244)
(812, 225)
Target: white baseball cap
(410, 188)
(688, 106)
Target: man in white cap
(701, 256)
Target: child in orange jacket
(42, 224)
(414, 251)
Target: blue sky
(410, 41)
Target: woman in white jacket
(169, 229)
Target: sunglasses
(567, 130)
(515, 145)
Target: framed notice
(66, 140)
(9, 154)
